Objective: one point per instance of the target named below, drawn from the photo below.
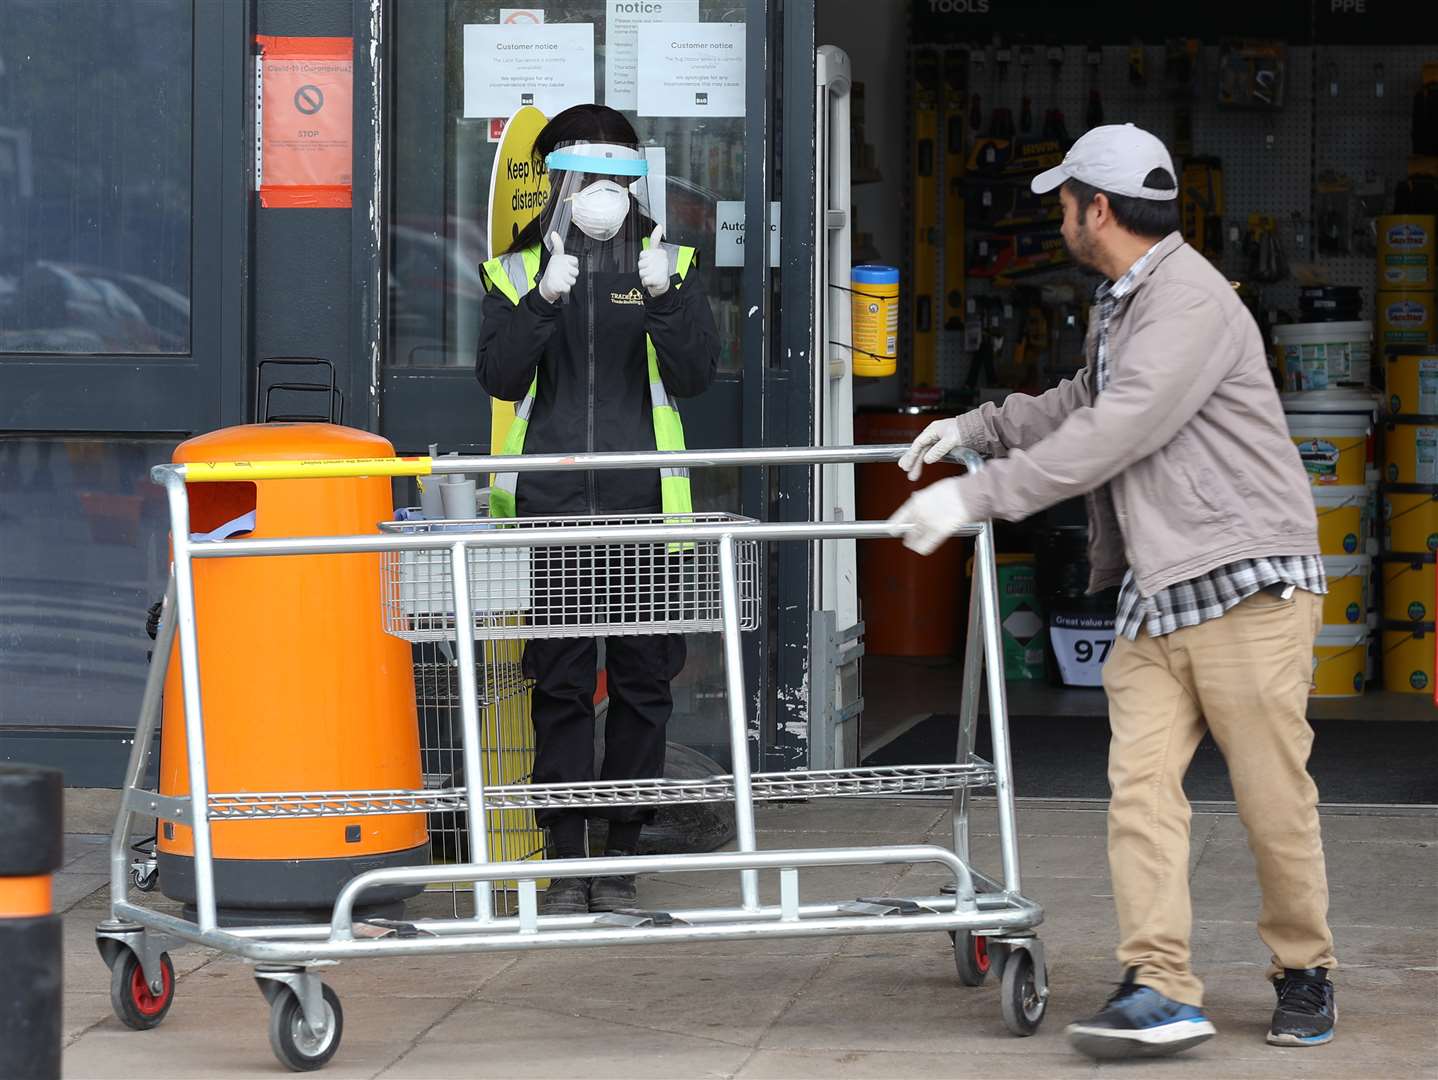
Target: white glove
(561, 273)
(933, 514)
(933, 444)
(654, 265)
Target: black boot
(615, 893)
(566, 896)
(567, 839)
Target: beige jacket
(1189, 434)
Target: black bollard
(32, 844)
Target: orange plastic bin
(302, 690)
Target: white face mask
(600, 209)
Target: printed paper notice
(621, 43)
(691, 69)
(729, 233)
(549, 66)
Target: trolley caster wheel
(134, 1002)
(1022, 1007)
(297, 1047)
(144, 880)
(972, 958)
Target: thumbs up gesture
(561, 273)
(654, 264)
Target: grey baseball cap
(1116, 158)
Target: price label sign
(1081, 645)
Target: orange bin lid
(283, 441)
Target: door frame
(136, 393)
(770, 393)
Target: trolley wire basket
(570, 590)
(506, 752)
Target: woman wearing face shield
(594, 326)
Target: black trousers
(564, 671)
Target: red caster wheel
(972, 958)
(135, 1002)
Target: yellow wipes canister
(1408, 657)
(1405, 320)
(1410, 518)
(875, 320)
(1405, 251)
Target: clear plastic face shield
(595, 191)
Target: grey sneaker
(615, 893)
(566, 896)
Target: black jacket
(595, 399)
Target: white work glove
(933, 513)
(933, 444)
(561, 273)
(654, 265)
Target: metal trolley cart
(460, 583)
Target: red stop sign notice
(306, 151)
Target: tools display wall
(1287, 155)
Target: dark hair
(593, 123)
(1151, 219)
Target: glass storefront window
(443, 162)
(95, 188)
(84, 534)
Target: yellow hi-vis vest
(516, 274)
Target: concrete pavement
(839, 1007)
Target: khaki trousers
(1245, 677)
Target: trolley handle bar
(199, 472)
(603, 535)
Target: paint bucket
(1405, 320)
(1340, 661)
(1408, 587)
(1374, 477)
(1408, 657)
(1412, 382)
(1334, 448)
(1405, 251)
(1317, 356)
(1410, 443)
(1021, 619)
(1359, 404)
(1410, 518)
(875, 313)
(1343, 525)
(1347, 601)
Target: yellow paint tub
(1412, 382)
(1410, 518)
(1408, 587)
(1405, 320)
(1410, 443)
(1408, 657)
(1343, 525)
(1340, 661)
(1348, 581)
(1334, 448)
(1405, 251)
